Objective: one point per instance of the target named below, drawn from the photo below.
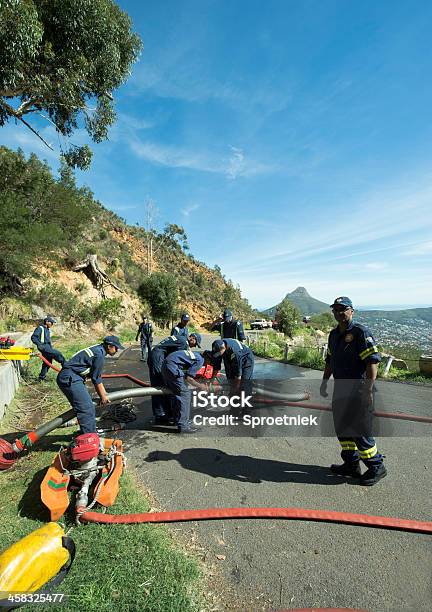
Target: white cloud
(122, 208)
(204, 161)
(376, 223)
(379, 265)
(180, 73)
(190, 208)
(236, 163)
(17, 135)
(422, 248)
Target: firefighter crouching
(178, 372)
(238, 361)
(89, 363)
(162, 404)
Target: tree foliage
(39, 215)
(58, 58)
(324, 321)
(175, 236)
(288, 317)
(160, 291)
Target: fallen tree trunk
(95, 274)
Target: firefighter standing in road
(181, 328)
(353, 359)
(228, 327)
(88, 362)
(41, 337)
(178, 371)
(145, 333)
(238, 361)
(161, 405)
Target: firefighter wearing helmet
(228, 327)
(87, 363)
(41, 337)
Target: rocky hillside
(68, 255)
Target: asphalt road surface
(294, 564)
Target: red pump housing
(85, 447)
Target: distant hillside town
(398, 328)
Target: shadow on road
(243, 468)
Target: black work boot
(347, 469)
(163, 420)
(372, 475)
(189, 429)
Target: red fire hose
(137, 381)
(326, 516)
(321, 610)
(387, 415)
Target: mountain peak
(304, 302)
(300, 292)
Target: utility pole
(151, 211)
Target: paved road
(283, 564)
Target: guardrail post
(387, 365)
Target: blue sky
(291, 139)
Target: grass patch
(404, 375)
(269, 344)
(136, 567)
(307, 358)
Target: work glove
(323, 388)
(367, 397)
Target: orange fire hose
(326, 516)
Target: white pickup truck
(260, 324)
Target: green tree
(176, 236)
(109, 311)
(288, 317)
(324, 321)
(57, 57)
(160, 291)
(39, 216)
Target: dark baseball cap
(342, 301)
(114, 340)
(198, 338)
(50, 319)
(185, 317)
(227, 313)
(217, 346)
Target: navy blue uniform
(180, 332)
(239, 362)
(41, 337)
(87, 363)
(175, 368)
(230, 329)
(161, 403)
(348, 354)
(145, 333)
